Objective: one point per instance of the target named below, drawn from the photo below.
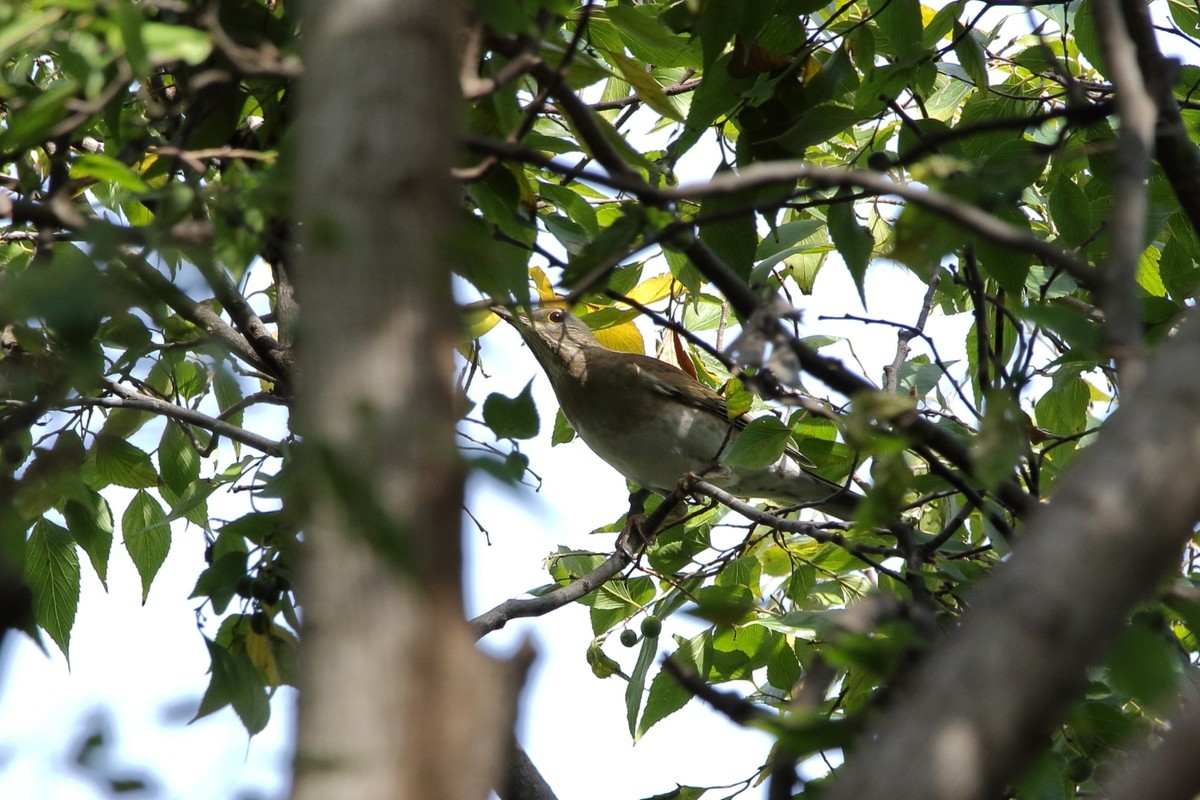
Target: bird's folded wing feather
(674, 382)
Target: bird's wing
(674, 382)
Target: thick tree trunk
(395, 700)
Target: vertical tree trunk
(395, 700)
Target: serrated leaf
(665, 698)
(512, 417)
(118, 462)
(759, 445)
(90, 521)
(147, 537)
(178, 460)
(52, 573)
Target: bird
(656, 424)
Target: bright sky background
(140, 670)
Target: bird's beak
(503, 313)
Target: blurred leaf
(1143, 665)
(512, 417)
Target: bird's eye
(556, 316)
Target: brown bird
(654, 423)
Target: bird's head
(557, 337)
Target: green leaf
(228, 392)
(147, 536)
(512, 417)
(853, 241)
(637, 684)
(168, 43)
(52, 573)
(665, 698)
(177, 458)
(90, 521)
(970, 55)
(648, 40)
(219, 582)
(1002, 439)
(759, 445)
(563, 432)
(1098, 726)
(1071, 212)
(118, 462)
(235, 682)
(610, 247)
(644, 85)
(1063, 409)
(33, 122)
(1142, 664)
(899, 27)
(733, 238)
(1008, 265)
(724, 605)
(1178, 264)
(107, 168)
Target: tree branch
(198, 314)
(127, 398)
(516, 608)
(949, 208)
(1127, 224)
(979, 708)
(1174, 148)
(269, 351)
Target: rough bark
(395, 701)
(987, 698)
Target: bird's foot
(635, 535)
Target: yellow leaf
(652, 289)
(644, 85)
(258, 647)
(546, 294)
(478, 322)
(526, 196)
(809, 68)
(625, 337)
